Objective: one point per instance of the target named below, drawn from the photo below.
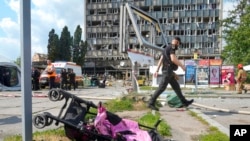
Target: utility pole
(25, 36)
(196, 59)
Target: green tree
(236, 32)
(53, 45)
(64, 50)
(76, 44)
(79, 47)
(18, 61)
(81, 57)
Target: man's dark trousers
(52, 82)
(168, 78)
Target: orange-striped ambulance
(43, 81)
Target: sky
(45, 15)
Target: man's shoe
(153, 107)
(188, 102)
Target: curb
(9, 95)
(212, 122)
(39, 95)
(161, 98)
(35, 94)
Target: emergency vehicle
(44, 81)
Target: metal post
(196, 59)
(84, 21)
(95, 68)
(25, 36)
(196, 75)
(132, 77)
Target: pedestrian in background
(35, 78)
(72, 79)
(241, 78)
(169, 63)
(64, 81)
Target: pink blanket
(104, 127)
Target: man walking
(169, 63)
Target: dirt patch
(133, 115)
(139, 105)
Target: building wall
(38, 57)
(196, 22)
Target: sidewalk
(187, 128)
(183, 126)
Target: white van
(43, 81)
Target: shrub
(149, 120)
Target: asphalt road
(11, 107)
(223, 112)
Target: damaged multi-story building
(196, 22)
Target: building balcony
(107, 53)
(148, 2)
(157, 2)
(139, 3)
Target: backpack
(243, 76)
(174, 101)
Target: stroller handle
(68, 95)
(157, 123)
(152, 128)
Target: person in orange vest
(51, 71)
(241, 78)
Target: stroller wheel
(62, 97)
(49, 121)
(54, 95)
(40, 121)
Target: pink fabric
(104, 127)
(130, 125)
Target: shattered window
(8, 76)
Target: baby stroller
(72, 115)
(112, 125)
(106, 126)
